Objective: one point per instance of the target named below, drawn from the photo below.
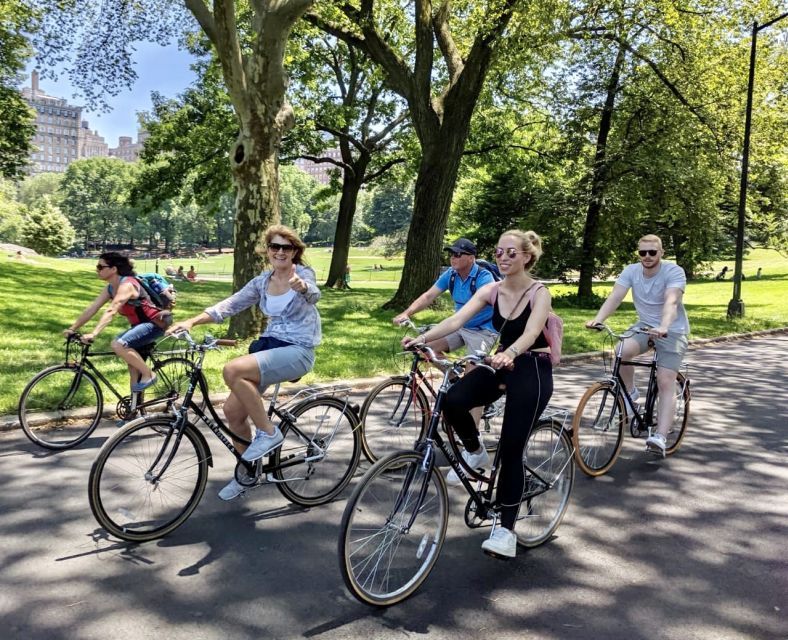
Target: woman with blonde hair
(522, 368)
(287, 293)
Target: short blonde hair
(530, 242)
(291, 236)
(652, 239)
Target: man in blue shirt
(478, 333)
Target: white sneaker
(502, 543)
(232, 490)
(656, 443)
(476, 460)
(263, 444)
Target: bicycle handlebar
(409, 324)
(209, 343)
(479, 358)
(601, 326)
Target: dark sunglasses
(647, 252)
(101, 267)
(454, 254)
(275, 246)
(511, 252)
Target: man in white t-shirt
(657, 291)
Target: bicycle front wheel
(131, 496)
(60, 407)
(393, 529)
(172, 380)
(680, 415)
(598, 428)
(320, 453)
(393, 417)
(549, 478)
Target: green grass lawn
(361, 266)
(43, 296)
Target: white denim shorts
(283, 364)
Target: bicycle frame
(219, 428)
(83, 362)
(621, 388)
(432, 439)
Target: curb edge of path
(10, 422)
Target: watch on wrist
(514, 350)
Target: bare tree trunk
(599, 180)
(351, 185)
(434, 188)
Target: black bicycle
(62, 405)
(150, 476)
(394, 523)
(396, 412)
(607, 407)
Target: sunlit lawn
(42, 297)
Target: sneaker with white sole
(263, 444)
(232, 490)
(502, 543)
(476, 460)
(656, 443)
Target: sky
(162, 69)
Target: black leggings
(528, 390)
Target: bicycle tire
(314, 472)
(172, 379)
(549, 456)
(598, 429)
(679, 428)
(128, 505)
(376, 514)
(392, 417)
(60, 407)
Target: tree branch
(371, 176)
(451, 55)
(204, 18)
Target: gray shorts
(473, 339)
(283, 364)
(670, 349)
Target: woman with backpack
(287, 293)
(521, 306)
(129, 298)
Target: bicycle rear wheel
(393, 417)
(549, 478)
(681, 415)
(598, 428)
(318, 459)
(128, 499)
(60, 407)
(384, 557)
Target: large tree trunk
(254, 164)
(435, 183)
(599, 179)
(351, 185)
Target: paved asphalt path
(690, 547)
